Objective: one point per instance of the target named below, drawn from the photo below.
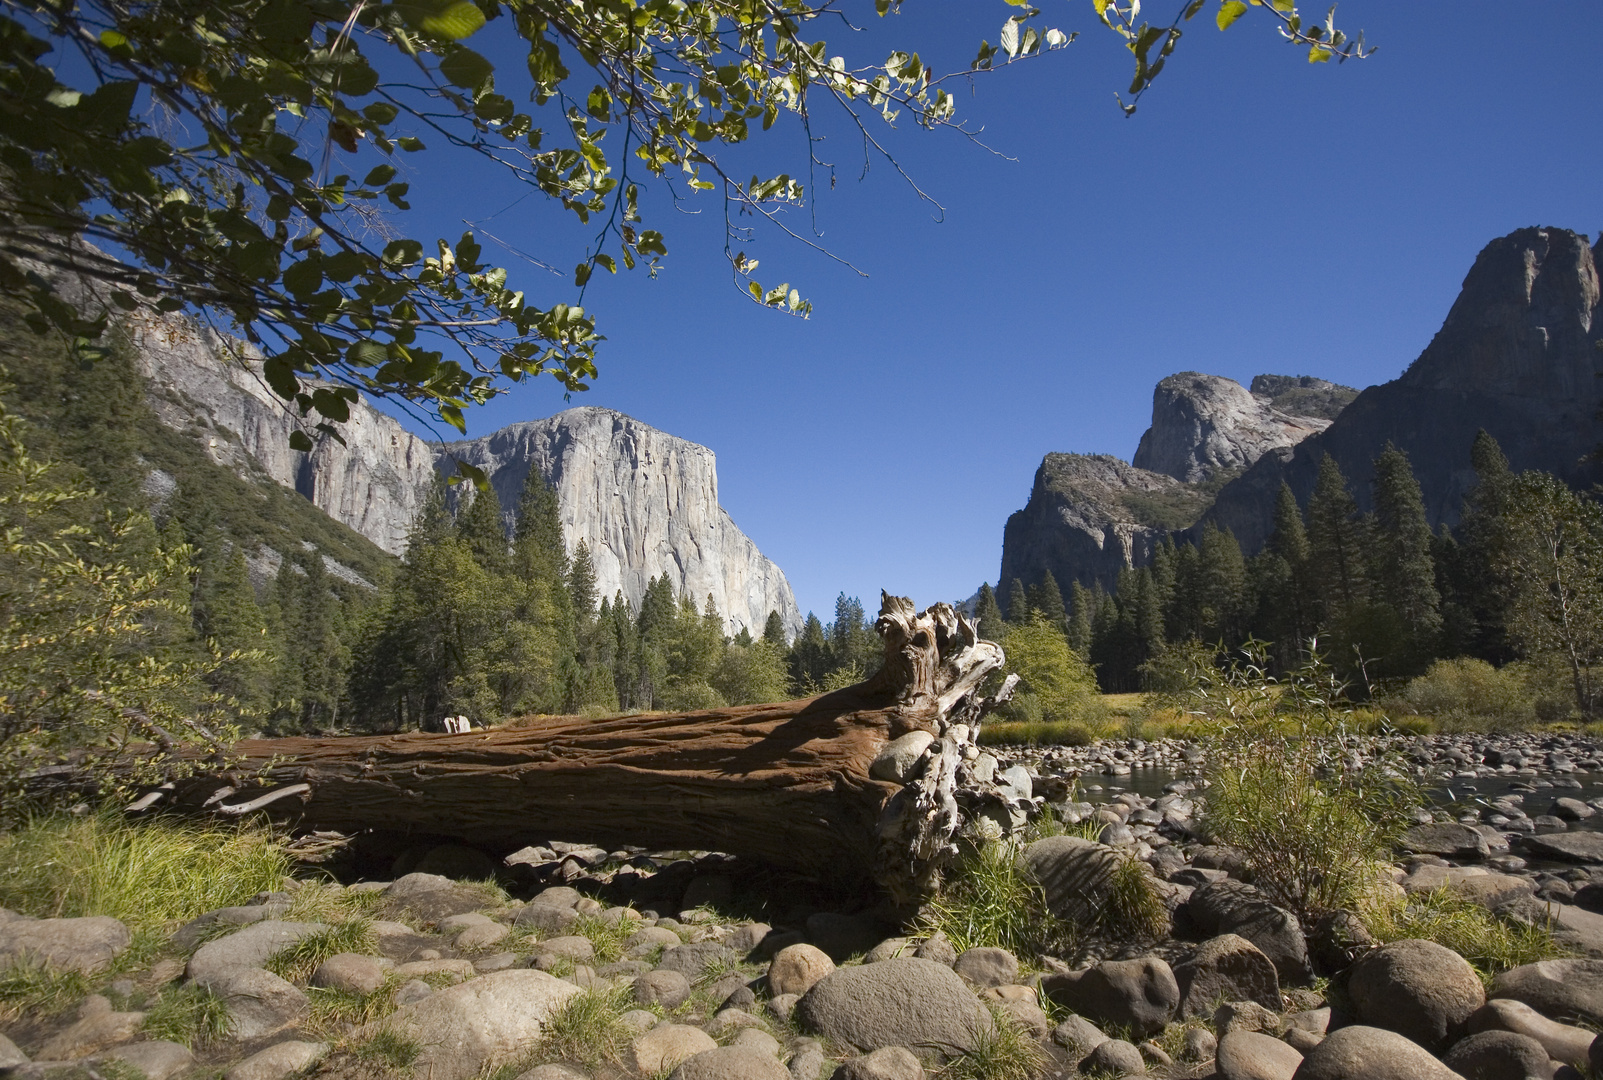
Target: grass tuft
(187, 1014)
(1006, 1052)
(991, 902)
(151, 875)
(588, 1028)
(1490, 944)
(297, 962)
(330, 903)
(395, 1050)
(36, 988)
(606, 937)
(332, 1009)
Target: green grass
(606, 937)
(187, 1014)
(34, 988)
(390, 1048)
(297, 962)
(1041, 733)
(331, 903)
(151, 875)
(990, 902)
(332, 1010)
(588, 1028)
(1490, 944)
(1006, 1052)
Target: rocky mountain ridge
(1090, 516)
(645, 502)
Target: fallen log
(788, 784)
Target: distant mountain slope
(1517, 355)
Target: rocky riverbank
(424, 975)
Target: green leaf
(410, 143)
(1229, 12)
(1318, 54)
(465, 68)
(464, 471)
(452, 20)
(381, 174)
(299, 440)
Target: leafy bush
(1058, 685)
(1468, 693)
(150, 875)
(1285, 787)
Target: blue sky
(1257, 214)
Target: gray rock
(431, 897)
(1248, 1055)
(1234, 907)
(1576, 929)
(259, 1003)
(1418, 989)
(1244, 1016)
(96, 1027)
(670, 989)
(1137, 994)
(780, 1006)
(692, 961)
(899, 761)
(731, 1063)
(748, 938)
(1560, 989)
(192, 933)
(352, 973)
(757, 1039)
(250, 947)
(1368, 1053)
(1475, 883)
(9, 1054)
(157, 1059)
(807, 1059)
(553, 1072)
(411, 992)
(1499, 1055)
(646, 940)
(1075, 874)
(1563, 1042)
(279, 1061)
(85, 945)
(1228, 968)
(889, 949)
(1114, 1056)
(1450, 840)
(1576, 847)
(481, 1023)
(1078, 1033)
(1200, 1044)
(988, 967)
(936, 947)
(1203, 425)
(458, 862)
(666, 1046)
(904, 1002)
(568, 947)
(886, 1063)
(795, 969)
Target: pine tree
(1080, 614)
(322, 665)
(1477, 595)
(809, 660)
(1405, 572)
(1222, 586)
(482, 527)
(539, 526)
(774, 630)
(1335, 546)
(235, 625)
(1018, 604)
(1184, 616)
(283, 617)
(1047, 599)
(853, 647)
(988, 614)
(582, 582)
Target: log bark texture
(787, 783)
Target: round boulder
(731, 1063)
(1248, 1055)
(886, 1063)
(1498, 1055)
(988, 967)
(796, 969)
(1137, 994)
(1564, 1042)
(903, 1002)
(1226, 968)
(1114, 1056)
(669, 989)
(1417, 988)
(666, 1046)
(1370, 1053)
(1560, 989)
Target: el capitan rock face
(1517, 356)
(645, 502)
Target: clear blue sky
(1256, 215)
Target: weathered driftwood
(788, 783)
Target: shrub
(1062, 684)
(150, 874)
(1470, 693)
(1284, 787)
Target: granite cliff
(645, 502)
(1090, 516)
(1517, 355)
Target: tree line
(1380, 594)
